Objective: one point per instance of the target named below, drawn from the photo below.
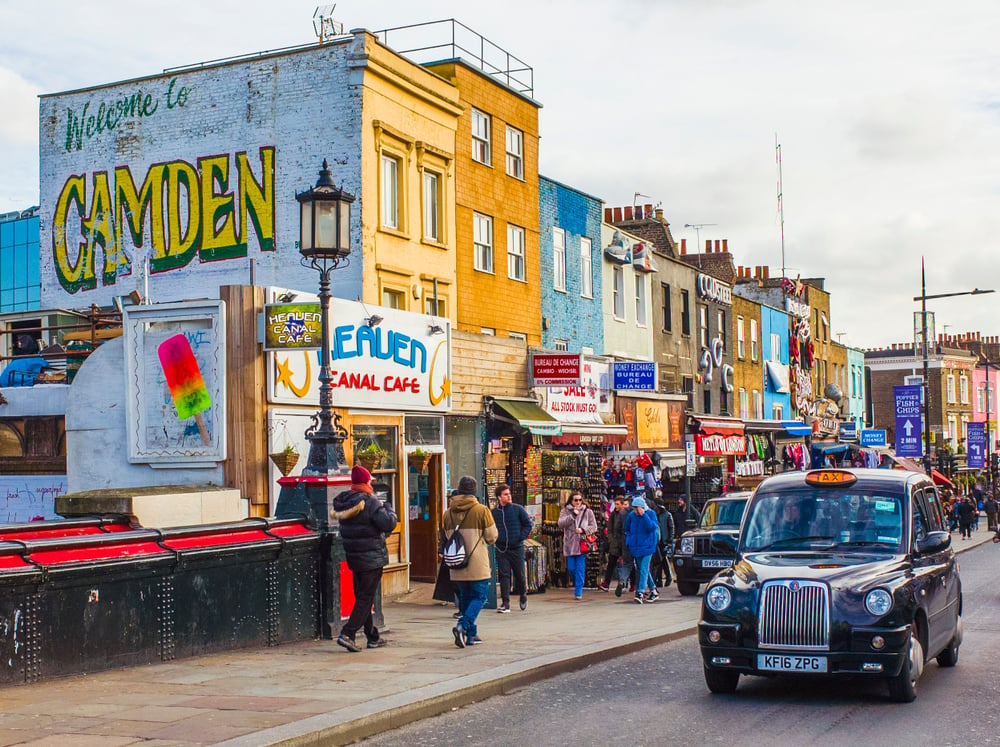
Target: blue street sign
(976, 442)
(635, 376)
(909, 433)
(873, 437)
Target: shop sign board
(872, 437)
(848, 431)
(976, 444)
(634, 376)
(574, 404)
(908, 425)
(659, 424)
(712, 289)
(555, 369)
(403, 363)
(716, 444)
(292, 326)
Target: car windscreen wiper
(789, 540)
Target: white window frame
(753, 340)
(482, 242)
(741, 345)
(515, 253)
(560, 345)
(482, 126)
(951, 388)
(703, 325)
(390, 202)
(776, 347)
(640, 300)
(963, 388)
(559, 259)
(393, 299)
(517, 336)
(744, 404)
(777, 411)
(432, 206)
(758, 404)
(488, 331)
(515, 153)
(618, 292)
(586, 267)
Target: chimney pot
(684, 247)
(725, 245)
(708, 246)
(717, 244)
(648, 210)
(607, 215)
(658, 213)
(618, 215)
(767, 272)
(628, 212)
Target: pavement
(316, 693)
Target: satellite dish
(324, 26)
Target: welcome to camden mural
(172, 183)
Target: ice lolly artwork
(187, 387)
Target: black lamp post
(923, 298)
(325, 242)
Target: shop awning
(796, 428)
(719, 426)
(529, 415)
(591, 433)
(777, 376)
(940, 479)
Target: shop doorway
(426, 506)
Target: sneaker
(377, 643)
(638, 599)
(603, 587)
(578, 598)
(618, 589)
(652, 597)
(473, 641)
(457, 615)
(459, 633)
(503, 609)
(344, 642)
(523, 602)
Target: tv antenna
(697, 231)
(324, 26)
(781, 202)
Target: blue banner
(873, 437)
(848, 432)
(976, 444)
(909, 441)
(635, 377)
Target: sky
(887, 114)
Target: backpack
(453, 553)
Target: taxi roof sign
(830, 477)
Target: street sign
(690, 468)
(976, 441)
(634, 376)
(873, 437)
(908, 427)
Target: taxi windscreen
(810, 518)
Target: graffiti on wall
(29, 497)
(180, 211)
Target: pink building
(984, 401)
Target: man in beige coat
(474, 520)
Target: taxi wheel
(721, 681)
(687, 588)
(903, 687)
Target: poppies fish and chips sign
(293, 326)
(403, 363)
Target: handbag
(454, 554)
(588, 542)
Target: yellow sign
(652, 425)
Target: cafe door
(426, 501)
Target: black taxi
(711, 546)
(837, 572)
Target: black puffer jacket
(364, 522)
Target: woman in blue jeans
(641, 533)
(577, 521)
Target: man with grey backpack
(468, 559)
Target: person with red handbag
(579, 526)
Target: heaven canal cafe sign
(403, 363)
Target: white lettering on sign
(797, 308)
(714, 290)
(719, 444)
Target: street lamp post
(923, 298)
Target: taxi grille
(794, 614)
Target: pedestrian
(474, 520)
(684, 514)
(990, 506)
(577, 521)
(616, 541)
(364, 523)
(444, 590)
(966, 513)
(513, 528)
(641, 530)
(659, 566)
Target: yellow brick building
(496, 207)
(748, 366)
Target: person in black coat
(364, 523)
(966, 515)
(513, 528)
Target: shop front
(655, 437)
(391, 391)
(773, 446)
(719, 442)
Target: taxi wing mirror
(934, 542)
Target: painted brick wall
(570, 316)
(305, 105)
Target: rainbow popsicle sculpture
(187, 387)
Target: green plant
(289, 449)
(418, 452)
(372, 449)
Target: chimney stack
(618, 215)
(684, 247)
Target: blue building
(774, 341)
(569, 227)
(855, 387)
(20, 284)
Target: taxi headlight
(718, 598)
(687, 546)
(878, 602)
